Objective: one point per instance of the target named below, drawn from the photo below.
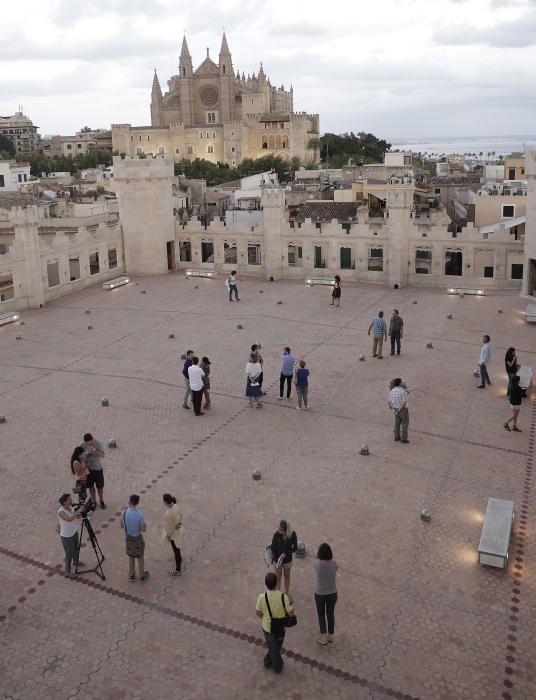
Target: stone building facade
(529, 267)
(220, 115)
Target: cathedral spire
(224, 50)
(185, 51)
(156, 84)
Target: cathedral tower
(186, 72)
(157, 108)
(226, 81)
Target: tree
(7, 148)
(337, 149)
(40, 163)
(86, 130)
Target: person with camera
(93, 454)
(277, 614)
(66, 529)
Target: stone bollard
(361, 358)
(256, 475)
(425, 515)
(171, 335)
(364, 449)
(2, 419)
(112, 443)
(300, 550)
(429, 344)
(105, 402)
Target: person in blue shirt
(302, 386)
(187, 364)
(287, 370)
(133, 524)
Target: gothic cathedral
(216, 113)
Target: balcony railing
(376, 213)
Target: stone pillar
(26, 225)
(529, 262)
(399, 205)
(273, 201)
(146, 212)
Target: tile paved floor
(416, 618)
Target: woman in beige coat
(173, 530)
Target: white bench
(530, 314)
(466, 290)
(525, 378)
(9, 317)
(200, 273)
(311, 281)
(495, 537)
(116, 282)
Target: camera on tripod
(88, 507)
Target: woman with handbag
(253, 387)
(284, 544)
(173, 530)
(325, 592)
(510, 363)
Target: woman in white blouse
(253, 388)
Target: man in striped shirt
(398, 402)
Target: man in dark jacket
(187, 364)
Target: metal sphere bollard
(462, 295)
(88, 311)
(104, 401)
(21, 323)
(2, 419)
(261, 291)
(476, 372)
(196, 286)
(429, 344)
(364, 449)
(256, 475)
(143, 291)
(112, 443)
(300, 550)
(499, 310)
(240, 326)
(171, 335)
(449, 315)
(361, 358)
(18, 337)
(425, 515)
(414, 301)
(90, 328)
(279, 302)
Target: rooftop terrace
(417, 617)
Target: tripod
(96, 548)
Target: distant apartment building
(21, 131)
(498, 202)
(514, 167)
(13, 176)
(78, 145)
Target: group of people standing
(277, 608)
(197, 382)
(380, 331)
(290, 371)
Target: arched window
(184, 72)
(265, 143)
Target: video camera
(88, 507)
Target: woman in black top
(510, 362)
(284, 544)
(516, 395)
(336, 294)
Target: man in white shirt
(398, 402)
(195, 377)
(485, 357)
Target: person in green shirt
(396, 331)
(273, 606)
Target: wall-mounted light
(200, 273)
(116, 282)
(9, 317)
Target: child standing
(302, 386)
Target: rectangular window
(230, 256)
(185, 251)
(3, 248)
(74, 269)
(112, 258)
(7, 290)
(254, 254)
(375, 263)
(53, 274)
(69, 147)
(2, 181)
(207, 251)
(346, 258)
(517, 271)
(488, 271)
(177, 151)
(94, 266)
(508, 211)
(161, 150)
(210, 149)
(423, 254)
(190, 150)
(318, 262)
(20, 177)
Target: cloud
(516, 33)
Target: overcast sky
(398, 68)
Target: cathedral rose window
(209, 95)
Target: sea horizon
(498, 145)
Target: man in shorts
(93, 455)
(133, 524)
